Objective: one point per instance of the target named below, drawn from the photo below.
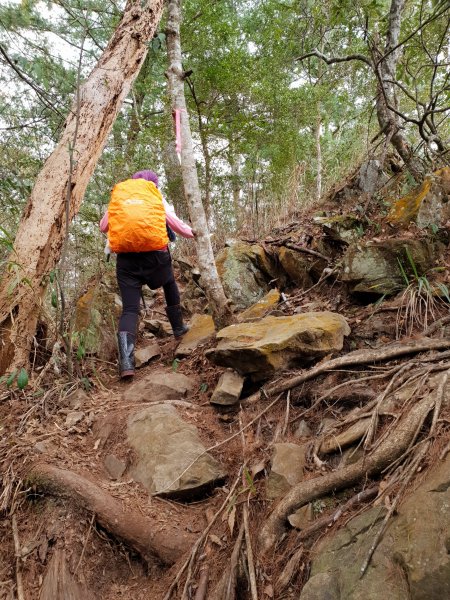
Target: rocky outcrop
(379, 267)
(171, 458)
(274, 343)
(411, 562)
(245, 271)
(342, 228)
(427, 204)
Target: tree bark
(210, 279)
(386, 100)
(145, 535)
(40, 237)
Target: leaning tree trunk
(386, 103)
(65, 176)
(210, 278)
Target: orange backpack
(136, 217)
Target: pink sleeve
(104, 223)
(178, 226)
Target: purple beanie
(147, 175)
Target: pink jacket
(172, 221)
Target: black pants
(135, 269)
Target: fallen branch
(139, 532)
(370, 465)
(358, 357)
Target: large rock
(245, 271)
(260, 308)
(166, 446)
(298, 266)
(276, 343)
(287, 464)
(159, 386)
(427, 204)
(342, 228)
(415, 547)
(378, 267)
(201, 329)
(144, 355)
(228, 390)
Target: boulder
(415, 547)
(379, 267)
(159, 386)
(287, 464)
(276, 343)
(201, 329)
(228, 390)
(165, 446)
(245, 271)
(260, 308)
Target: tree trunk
(318, 131)
(388, 120)
(210, 278)
(65, 176)
(175, 189)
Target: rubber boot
(175, 317)
(126, 343)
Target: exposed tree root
(328, 520)
(141, 533)
(226, 588)
(386, 453)
(359, 357)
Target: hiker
(136, 222)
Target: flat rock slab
(276, 343)
(166, 446)
(144, 355)
(228, 389)
(201, 329)
(159, 386)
